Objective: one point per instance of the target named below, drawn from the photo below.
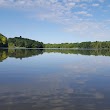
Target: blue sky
(56, 21)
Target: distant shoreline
(25, 43)
(59, 48)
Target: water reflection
(54, 81)
(3, 55)
(24, 53)
(19, 53)
(96, 52)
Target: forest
(19, 42)
(24, 42)
(84, 45)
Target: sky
(56, 21)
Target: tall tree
(3, 41)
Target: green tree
(3, 41)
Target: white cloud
(96, 5)
(84, 13)
(75, 15)
(83, 5)
(102, 1)
(91, 29)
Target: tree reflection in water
(24, 53)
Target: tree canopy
(3, 41)
(85, 45)
(19, 42)
(24, 42)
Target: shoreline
(60, 48)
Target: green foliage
(24, 42)
(84, 45)
(19, 42)
(3, 41)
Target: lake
(58, 79)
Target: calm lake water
(54, 79)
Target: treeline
(87, 45)
(19, 42)
(3, 41)
(24, 42)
